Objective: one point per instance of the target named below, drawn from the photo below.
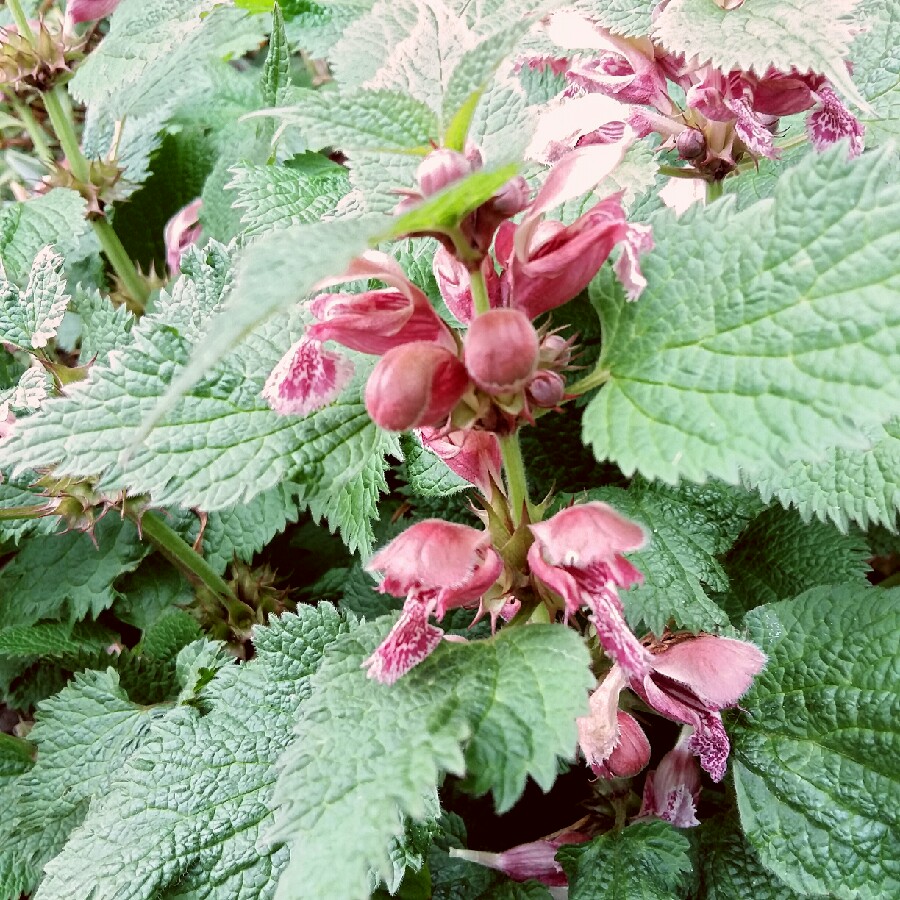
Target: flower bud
(414, 386)
(556, 351)
(546, 389)
(691, 144)
(632, 752)
(501, 351)
(440, 168)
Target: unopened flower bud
(691, 144)
(546, 389)
(501, 351)
(556, 351)
(512, 198)
(632, 753)
(415, 385)
(440, 168)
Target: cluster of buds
(726, 115)
(34, 63)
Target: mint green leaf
(737, 355)
(29, 319)
(15, 492)
(55, 218)
(277, 70)
(631, 18)
(83, 736)
(499, 709)
(646, 861)
(55, 639)
(764, 33)
(148, 592)
(876, 67)
(730, 868)
(182, 815)
(779, 556)
(688, 528)
(815, 752)
(273, 197)
(169, 634)
(427, 474)
(844, 486)
(317, 27)
(104, 327)
(760, 182)
(66, 575)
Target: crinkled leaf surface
(500, 710)
(876, 67)
(55, 639)
(764, 334)
(815, 755)
(29, 319)
(646, 861)
(631, 18)
(687, 529)
(427, 474)
(182, 815)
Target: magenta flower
(672, 790)
(89, 10)
(577, 554)
(181, 231)
(691, 681)
(437, 566)
(473, 455)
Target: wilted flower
(181, 231)
(437, 566)
(671, 791)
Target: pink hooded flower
(89, 10)
(181, 231)
(578, 554)
(613, 743)
(691, 681)
(672, 790)
(437, 566)
(473, 455)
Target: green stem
(21, 20)
(480, 301)
(34, 131)
(680, 172)
(516, 480)
(890, 581)
(119, 259)
(178, 552)
(56, 102)
(714, 190)
(589, 382)
(8, 513)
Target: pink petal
(88, 10)
(410, 641)
(752, 130)
(632, 751)
(711, 744)
(638, 240)
(616, 638)
(182, 230)
(598, 732)
(473, 455)
(306, 379)
(536, 859)
(832, 122)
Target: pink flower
(613, 743)
(501, 351)
(536, 859)
(88, 10)
(578, 555)
(437, 566)
(183, 229)
(671, 791)
(691, 681)
(831, 121)
(307, 378)
(455, 283)
(473, 455)
(415, 386)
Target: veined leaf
(29, 319)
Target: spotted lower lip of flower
(671, 791)
(307, 378)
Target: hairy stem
(516, 480)
(589, 382)
(56, 102)
(714, 190)
(119, 259)
(179, 552)
(34, 131)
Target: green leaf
(29, 319)
(763, 34)
(83, 736)
(15, 492)
(54, 639)
(274, 197)
(779, 557)
(500, 710)
(276, 77)
(632, 18)
(67, 575)
(688, 528)
(183, 814)
(730, 868)
(646, 861)
(55, 218)
(147, 593)
(815, 753)
(844, 486)
(766, 359)
(427, 474)
(876, 67)
(104, 327)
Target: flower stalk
(21, 20)
(480, 300)
(516, 481)
(33, 130)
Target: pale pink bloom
(181, 231)
(89, 10)
(437, 566)
(501, 351)
(455, 283)
(613, 743)
(415, 385)
(536, 859)
(578, 554)
(691, 681)
(672, 790)
(473, 455)
(638, 239)
(307, 378)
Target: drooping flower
(455, 283)
(181, 231)
(89, 10)
(690, 680)
(672, 790)
(437, 566)
(577, 554)
(472, 454)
